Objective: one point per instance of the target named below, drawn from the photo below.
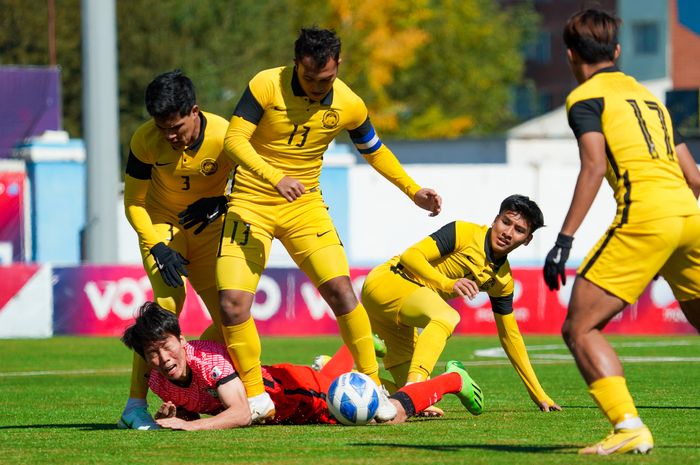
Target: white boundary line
(112, 371)
(498, 353)
(490, 353)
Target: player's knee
(339, 295)
(447, 320)
(235, 307)
(569, 333)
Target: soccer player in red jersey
(198, 377)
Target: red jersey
(298, 392)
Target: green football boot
(471, 396)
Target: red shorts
(299, 394)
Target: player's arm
(514, 346)
(689, 168)
(385, 162)
(417, 259)
(237, 144)
(585, 120)
(236, 411)
(136, 184)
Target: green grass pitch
(60, 399)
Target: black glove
(555, 263)
(170, 263)
(203, 211)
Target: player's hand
(203, 212)
(166, 410)
(555, 263)
(465, 288)
(176, 424)
(429, 200)
(290, 188)
(170, 264)
(549, 406)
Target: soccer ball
(353, 399)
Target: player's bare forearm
(229, 418)
(590, 177)
(428, 199)
(689, 168)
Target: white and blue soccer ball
(353, 399)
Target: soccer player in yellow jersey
(278, 134)
(459, 260)
(624, 134)
(176, 159)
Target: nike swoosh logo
(163, 164)
(322, 234)
(558, 257)
(612, 450)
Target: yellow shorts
(626, 258)
(199, 250)
(397, 307)
(305, 229)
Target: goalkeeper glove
(203, 211)
(555, 263)
(170, 264)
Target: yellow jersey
(276, 131)
(460, 250)
(163, 181)
(642, 168)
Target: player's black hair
(526, 208)
(592, 34)
(319, 44)
(170, 93)
(153, 323)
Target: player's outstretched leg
(623, 441)
(137, 418)
(471, 396)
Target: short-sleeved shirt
(180, 177)
(465, 252)
(640, 142)
(293, 131)
(210, 366)
(298, 392)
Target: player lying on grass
(461, 259)
(198, 377)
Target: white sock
(134, 402)
(630, 423)
(262, 397)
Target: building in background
(660, 44)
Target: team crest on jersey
(330, 119)
(215, 373)
(208, 166)
(488, 284)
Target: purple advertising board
(31, 103)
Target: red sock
(340, 363)
(426, 393)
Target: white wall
(384, 222)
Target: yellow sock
(613, 398)
(429, 346)
(400, 373)
(357, 334)
(212, 333)
(139, 382)
(243, 345)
